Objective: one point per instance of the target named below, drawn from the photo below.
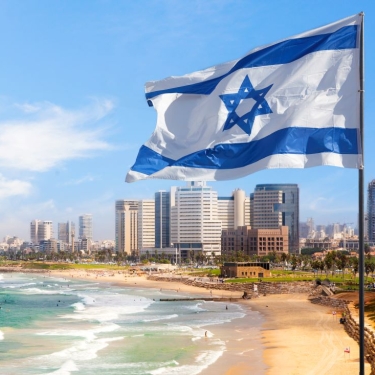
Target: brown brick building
(245, 269)
(255, 241)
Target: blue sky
(73, 113)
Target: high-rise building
(234, 211)
(371, 211)
(307, 229)
(34, 225)
(126, 212)
(45, 231)
(40, 231)
(146, 223)
(65, 231)
(162, 219)
(310, 223)
(365, 226)
(195, 225)
(303, 230)
(85, 226)
(275, 205)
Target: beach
(298, 337)
(287, 334)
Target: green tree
(354, 265)
(328, 262)
(341, 262)
(294, 262)
(367, 248)
(369, 265)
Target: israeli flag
(291, 104)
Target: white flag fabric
(291, 104)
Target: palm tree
(214, 258)
(369, 265)
(354, 265)
(293, 262)
(315, 265)
(321, 266)
(342, 262)
(328, 262)
(367, 248)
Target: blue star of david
(232, 101)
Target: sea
(59, 326)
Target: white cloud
(47, 135)
(28, 108)
(80, 181)
(9, 188)
(314, 205)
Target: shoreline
(292, 336)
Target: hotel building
(85, 226)
(126, 212)
(146, 223)
(195, 225)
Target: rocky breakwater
(21, 270)
(252, 289)
(352, 328)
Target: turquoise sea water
(61, 326)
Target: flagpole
(361, 172)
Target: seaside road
(301, 338)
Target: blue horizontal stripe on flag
(298, 141)
(279, 53)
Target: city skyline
(262, 205)
(73, 112)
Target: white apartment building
(126, 212)
(85, 226)
(45, 230)
(40, 231)
(146, 223)
(234, 211)
(195, 225)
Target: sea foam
(161, 318)
(65, 369)
(201, 362)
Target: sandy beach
(296, 336)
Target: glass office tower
(274, 205)
(162, 219)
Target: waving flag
(291, 104)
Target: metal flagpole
(361, 172)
